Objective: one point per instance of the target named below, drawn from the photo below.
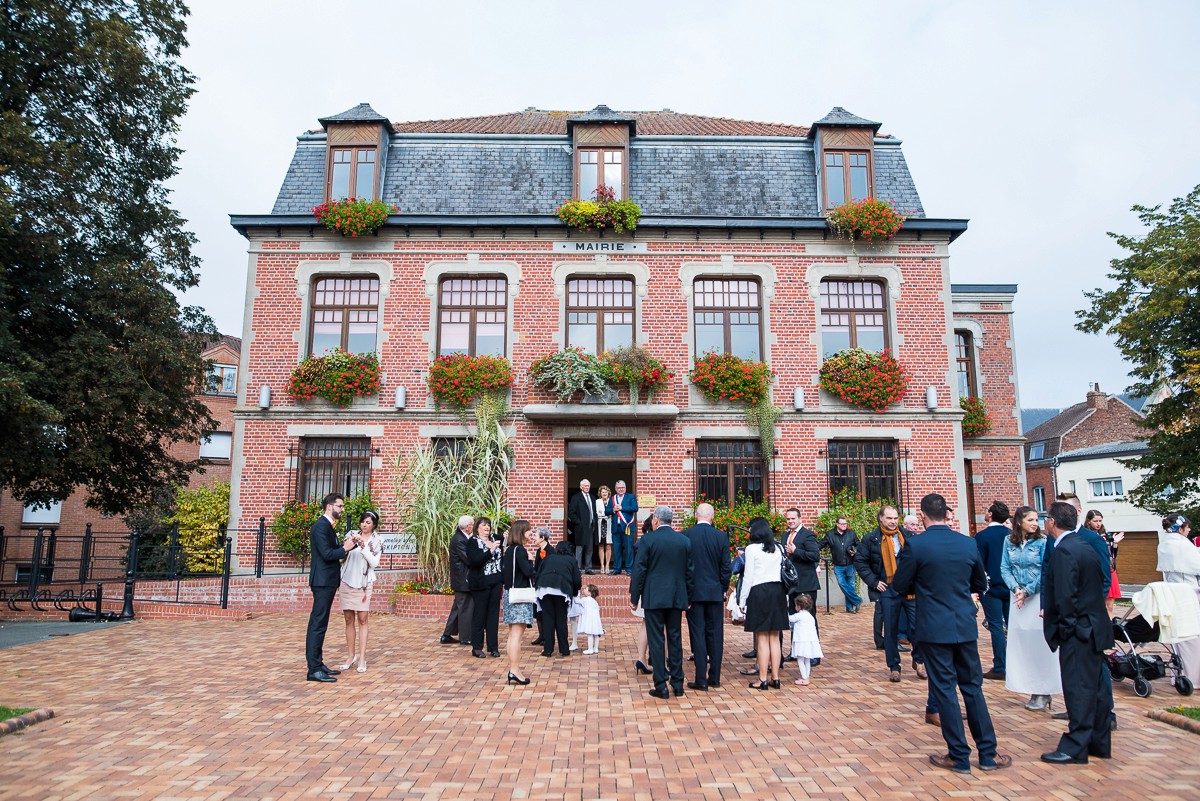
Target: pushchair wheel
(1184, 685)
(1142, 687)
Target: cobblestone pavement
(216, 709)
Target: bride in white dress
(1032, 667)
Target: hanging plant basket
(605, 212)
(977, 421)
(457, 380)
(353, 217)
(569, 372)
(864, 378)
(338, 377)
(870, 220)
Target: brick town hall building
(732, 252)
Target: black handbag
(789, 577)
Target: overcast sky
(1041, 123)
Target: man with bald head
(706, 615)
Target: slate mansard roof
(681, 165)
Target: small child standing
(574, 610)
(806, 645)
(589, 618)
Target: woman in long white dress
(1032, 666)
(1179, 562)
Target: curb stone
(21, 721)
(1178, 721)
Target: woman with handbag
(764, 602)
(484, 576)
(519, 594)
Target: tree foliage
(202, 515)
(1153, 312)
(98, 361)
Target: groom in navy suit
(944, 568)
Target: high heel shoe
(774, 684)
(641, 668)
(362, 666)
(759, 685)
(349, 664)
(512, 679)
(479, 654)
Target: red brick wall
(1115, 422)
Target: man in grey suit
(706, 615)
(664, 581)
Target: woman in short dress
(518, 572)
(358, 576)
(764, 601)
(1095, 521)
(1032, 666)
(604, 525)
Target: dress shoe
(750, 655)
(547, 655)
(512, 679)
(677, 693)
(904, 641)
(478, 654)
(991, 674)
(1093, 752)
(920, 669)
(320, 675)
(691, 685)
(640, 668)
(933, 718)
(447, 640)
(947, 762)
(715, 685)
(815, 663)
(750, 671)
(1059, 758)
(659, 693)
(878, 647)
(615, 573)
(349, 664)
(330, 670)
(1038, 703)
(1001, 762)
(894, 676)
(538, 641)
(494, 654)
(774, 684)
(1060, 716)
(790, 658)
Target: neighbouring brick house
(732, 252)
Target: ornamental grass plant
(353, 216)
(869, 219)
(864, 378)
(338, 377)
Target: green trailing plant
(568, 372)
(435, 491)
(762, 416)
(977, 422)
(635, 367)
(353, 216)
(739, 513)
(459, 379)
(864, 378)
(338, 377)
(202, 515)
(602, 213)
(293, 522)
(862, 514)
(870, 219)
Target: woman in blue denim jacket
(1032, 666)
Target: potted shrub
(864, 378)
(353, 216)
(458, 380)
(870, 219)
(603, 212)
(636, 368)
(338, 377)
(568, 372)
(977, 422)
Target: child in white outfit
(574, 610)
(589, 618)
(806, 645)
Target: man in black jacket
(706, 615)
(842, 542)
(558, 572)
(801, 546)
(324, 577)
(877, 567)
(664, 581)
(461, 614)
(583, 525)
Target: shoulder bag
(520, 595)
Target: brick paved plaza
(219, 709)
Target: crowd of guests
(1040, 592)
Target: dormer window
(352, 172)
(847, 177)
(601, 167)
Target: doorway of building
(602, 462)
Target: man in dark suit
(458, 622)
(990, 542)
(622, 509)
(324, 577)
(664, 581)
(944, 568)
(1076, 624)
(581, 520)
(706, 615)
(801, 546)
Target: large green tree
(98, 361)
(1154, 313)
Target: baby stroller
(1139, 655)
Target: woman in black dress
(484, 577)
(763, 601)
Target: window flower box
(870, 220)
(338, 377)
(353, 216)
(864, 378)
(602, 213)
(458, 380)
(977, 421)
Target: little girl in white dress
(589, 618)
(806, 645)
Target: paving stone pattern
(219, 709)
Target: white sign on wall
(398, 542)
(600, 247)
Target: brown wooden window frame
(964, 359)
(344, 461)
(852, 310)
(738, 468)
(846, 194)
(354, 150)
(727, 310)
(600, 162)
(630, 289)
(864, 457)
(347, 309)
(473, 309)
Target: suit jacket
(629, 507)
(1098, 545)
(943, 568)
(1074, 593)
(990, 542)
(458, 562)
(560, 572)
(806, 557)
(663, 574)
(581, 519)
(327, 555)
(710, 562)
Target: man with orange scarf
(876, 563)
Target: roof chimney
(1095, 398)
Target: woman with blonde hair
(604, 527)
(358, 576)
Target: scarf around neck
(889, 551)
